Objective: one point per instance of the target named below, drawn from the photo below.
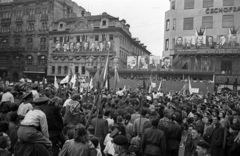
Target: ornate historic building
(83, 43)
(203, 36)
(24, 34)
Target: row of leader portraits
(211, 42)
(148, 62)
(85, 46)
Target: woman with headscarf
(80, 145)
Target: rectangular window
(31, 27)
(44, 26)
(19, 28)
(44, 11)
(65, 69)
(228, 2)
(189, 4)
(207, 3)
(96, 37)
(167, 25)
(188, 23)
(76, 69)
(54, 39)
(53, 69)
(173, 43)
(19, 13)
(226, 66)
(59, 69)
(83, 70)
(61, 39)
(111, 37)
(207, 22)
(31, 12)
(78, 39)
(104, 23)
(167, 44)
(174, 24)
(173, 3)
(228, 21)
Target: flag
(55, 83)
(190, 86)
(116, 79)
(95, 80)
(150, 85)
(64, 80)
(159, 87)
(177, 62)
(104, 73)
(43, 81)
(73, 80)
(196, 62)
(91, 84)
(70, 75)
(142, 84)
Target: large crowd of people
(37, 120)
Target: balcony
(6, 20)
(44, 17)
(31, 18)
(19, 19)
(6, 47)
(30, 30)
(43, 30)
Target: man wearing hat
(26, 105)
(34, 91)
(203, 148)
(34, 127)
(121, 145)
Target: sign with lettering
(207, 51)
(222, 10)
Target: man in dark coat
(216, 138)
(101, 127)
(55, 125)
(153, 140)
(173, 135)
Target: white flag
(91, 83)
(65, 80)
(55, 83)
(159, 87)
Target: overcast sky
(146, 18)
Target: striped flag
(160, 85)
(116, 78)
(190, 86)
(104, 73)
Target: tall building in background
(202, 37)
(24, 34)
(83, 43)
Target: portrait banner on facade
(166, 63)
(143, 62)
(154, 62)
(179, 42)
(189, 42)
(222, 41)
(132, 62)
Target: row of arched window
(28, 60)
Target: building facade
(203, 35)
(83, 43)
(24, 35)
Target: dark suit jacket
(216, 140)
(235, 45)
(102, 128)
(173, 135)
(212, 45)
(154, 142)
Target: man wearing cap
(34, 91)
(203, 148)
(7, 96)
(34, 127)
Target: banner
(132, 62)
(143, 62)
(166, 63)
(154, 62)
